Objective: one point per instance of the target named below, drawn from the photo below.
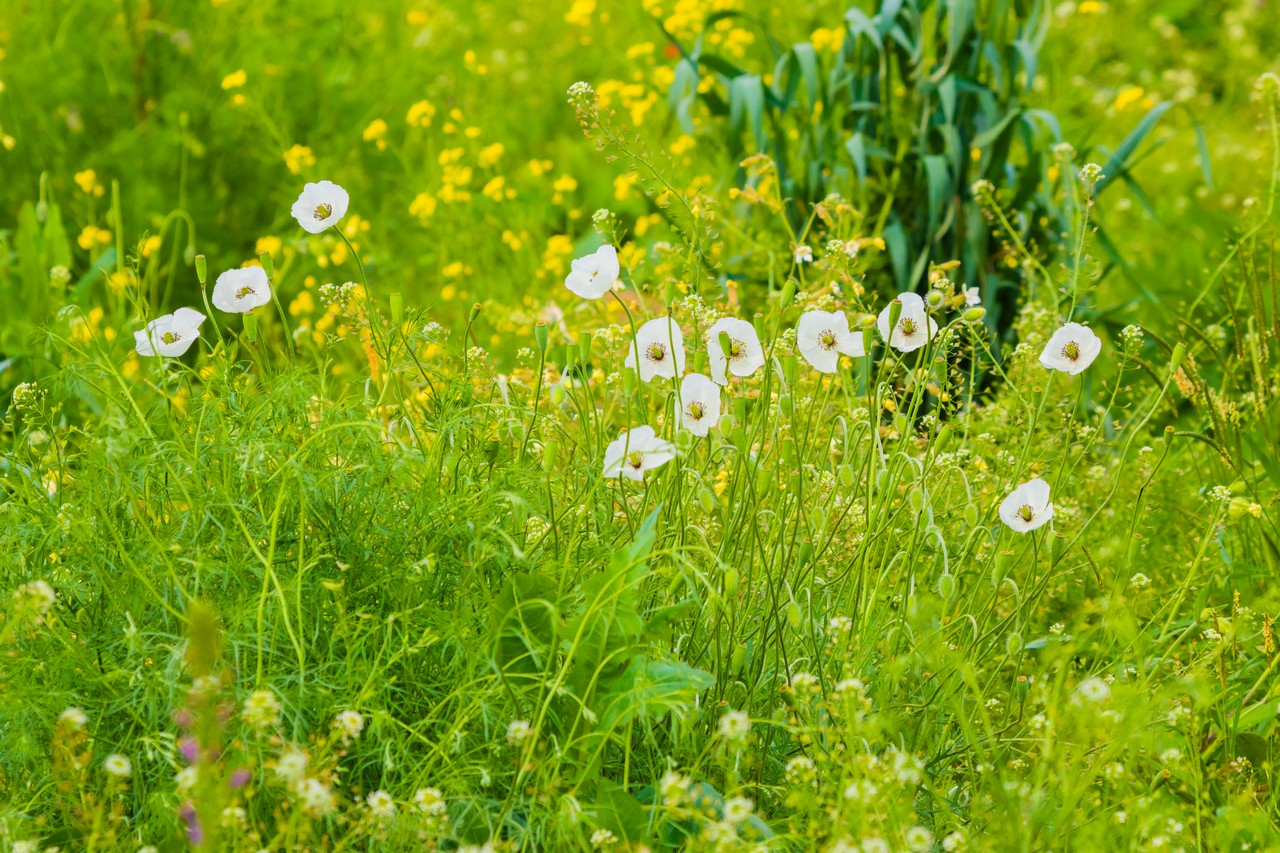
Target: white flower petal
(660, 345)
(320, 206)
(239, 291)
(594, 275)
(746, 354)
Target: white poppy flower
(1071, 349)
(823, 336)
(240, 291)
(700, 402)
(637, 451)
(1027, 507)
(660, 344)
(915, 327)
(170, 335)
(971, 296)
(320, 205)
(594, 275)
(745, 353)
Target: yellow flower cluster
(299, 157)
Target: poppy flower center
(1071, 350)
(908, 326)
(323, 212)
(635, 459)
(697, 410)
(737, 349)
(827, 339)
(170, 337)
(1025, 512)
(244, 291)
(655, 352)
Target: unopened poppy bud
(940, 372)
(1013, 645)
(540, 336)
(788, 294)
(846, 475)
(934, 299)
(670, 291)
(202, 269)
(731, 583)
(558, 394)
(947, 586)
(475, 312)
(1179, 353)
(793, 615)
(868, 339)
(584, 347)
(785, 405)
(397, 301)
(726, 425)
(268, 263)
(739, 659)
(790, 368)
(974, 314)
(706, 499)
(971, 515)
(758, 322)
(549, 452)
(917, 501)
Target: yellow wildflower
(298, 158)
(235, 79)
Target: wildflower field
(621, 425)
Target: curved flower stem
(537, 395)
(368, 294)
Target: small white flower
(804, 255)
(971, 296)
(594, 275)
(634, 452)
(602, 839)
(918, 838)
(117, 765)
(746, 356)
(239, 291)
(823, 336)
(381, 804)
(915, 327)
(73, 718)
(1139, 580)
(349, 724)
(660, 345)
(25, 847)
(700, 404)
(734, 726)
(1071, 349)
(292, 765)
(518, 731)
(261, 709)
(186, 778)
(429, 801)
(170, 335)
(317, 799)
(737, 809)
(1027, 507)
(1094, 689)
(320, 206)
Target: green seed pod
(786, 405)
(940, 372)
(540, 336)
(670, 291)
(947, 586)
(895, 313)
(268, 263)
(739, 659)
(1013, 644)
(758, 322)
(550, 450)
(397, 304)
(706, 499)
(917, 501)
(202, 269)
(726, 344)
(731, 583)
(793, 616)
(971, 515)
(788, 294)
(846, 475)
(584, 347)
(790, 369)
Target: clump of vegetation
(713, 520)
